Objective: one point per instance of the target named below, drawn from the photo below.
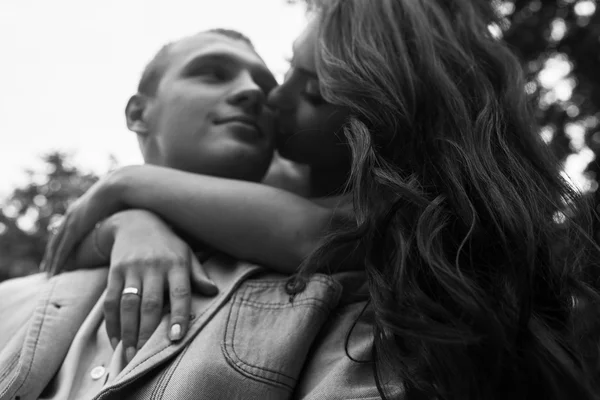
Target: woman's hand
(147, 258)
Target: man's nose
(249, 96)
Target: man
(201, 100)
(197, 103)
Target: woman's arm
(289, 176)
(248, 220)
(95, 248)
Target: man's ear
(135, 114)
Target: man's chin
(242, 173)
(239, 168)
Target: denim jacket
(252, 341)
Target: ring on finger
(131, 290)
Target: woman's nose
(277, 99)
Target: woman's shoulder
(289, 176)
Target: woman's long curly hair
(476, 247)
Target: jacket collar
(66, 300)
(228, 275)
(59, 311)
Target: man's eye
(211, 72)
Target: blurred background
(69, 66)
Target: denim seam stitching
(269, 282)
(245, 362)
(156, 388)
(10, 366)
(157, 353)
(235, 362)
(317, 303)
(164, 382)
(36, 341)
(229, 343)
(219, 300)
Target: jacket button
(97, 372)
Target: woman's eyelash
(314, 99)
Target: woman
(456, 202)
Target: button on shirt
(98, 372)
(90, 360)
(251, 322)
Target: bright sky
(69, 66)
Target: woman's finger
(50, 253)
(152, 306)
(112, 306)
(64, 248)
(180, 295)
(200, 280)
(57, 245)
(130, 313)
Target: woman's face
(310, 129)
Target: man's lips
(240, 119)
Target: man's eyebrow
(210, 57)
(261, 73)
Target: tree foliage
(558, 42)
(26, 214)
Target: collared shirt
(251, 341)
(89, 363)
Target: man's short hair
(156, 68)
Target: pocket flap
(268, 333)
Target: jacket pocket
(268, 334)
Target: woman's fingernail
(114, 342)
(176, 332)
(215, 288)
(130, 353)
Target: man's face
(208, 113)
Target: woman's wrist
(105, 233)
(95, 248)
(122, 182)
(132, 220)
